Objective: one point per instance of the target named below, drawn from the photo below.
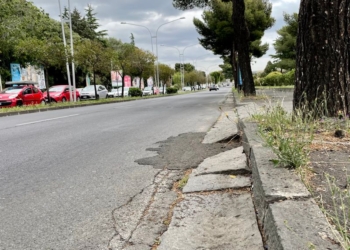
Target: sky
(157, 22)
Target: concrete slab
(272, 183)
(221, 221)
(224, 127)
(294, 225)
(211, 182)
(233, 162)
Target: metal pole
(65, 45)
(157, 46)
(72, 52)
(154, 66)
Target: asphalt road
(63, 172)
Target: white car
(118, 92)
(88, 93)
(147, 91)
(186, 89)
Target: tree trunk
(47, 84)
(123, 84)
(241, 39)
(322, 63)
(96, 95)
(234, 64)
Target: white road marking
(46, 120)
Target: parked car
(126, 91)
(21, 93)
(162, 89)
(79, 90)
(113, 93)
(60, 93)
(186, 89)
(213, 87)
(150, 91)
(88, 93)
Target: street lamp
(182, 59)
(67, 63)
(157, 69)
(157, 45)
(151, 41)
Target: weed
(183, 181)
(340, 213)
(288, 135)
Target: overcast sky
(175, 36)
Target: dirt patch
(185, 151)
(330, 156)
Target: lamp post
(156, 36)
(182, 59)
(181, 65)
(157, 45)
(67, 63)
(72, 52)
(151, 41)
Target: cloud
(154, 13)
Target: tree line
(320, 52)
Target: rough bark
(241, 39)
(322, 72)
(234, 64)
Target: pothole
(186, 151)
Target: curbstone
(290, 218)
(298, 225)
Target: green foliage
(285, 44)
(216, 76)
(92, 56)
(133, 92)
(171, 90)
(288, 135)
(187, 66)
(227, 70)
(339, 214)
(165, 72)
(194, 77)
(276, 78)
(21, 20)
(217, 32)
(269, 68)
(132, 39)
(86, 26)
(273, 79)
(176, 78)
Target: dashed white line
(46, 120)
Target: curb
(289, 217)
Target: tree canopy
(286, 43)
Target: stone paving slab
(211, 182)
(233, 161)
(298, 225)
(223, 128)
(221, 221)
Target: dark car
(213, 87)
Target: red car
(20, 93)
(60, 93)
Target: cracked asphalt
(69, 178)
(184, 151)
